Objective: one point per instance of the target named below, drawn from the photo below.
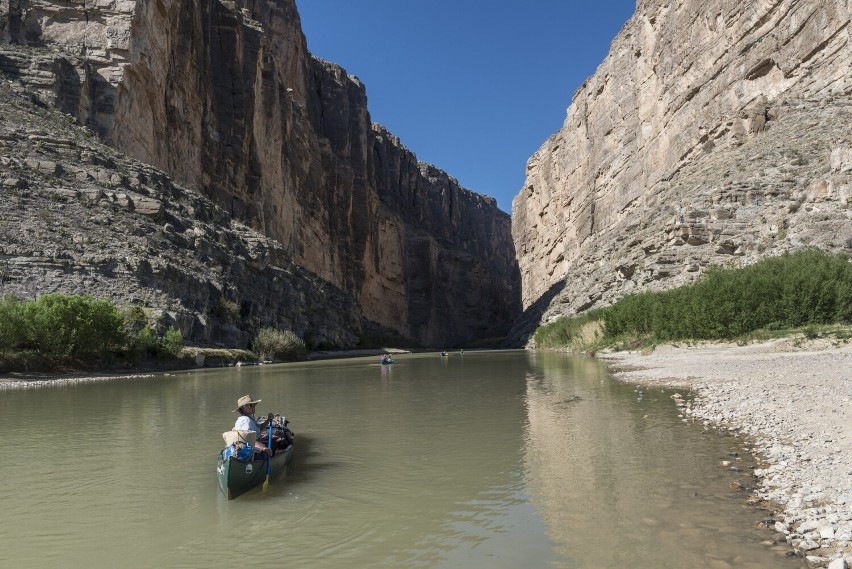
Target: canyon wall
(225, 98)
(78, 217)
(714, 133)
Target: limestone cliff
(714, 132)
(79, 217)
(225, 98)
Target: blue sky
(472, 86)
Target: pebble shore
(44, 380)
(792, 398)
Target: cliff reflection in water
(619, 480)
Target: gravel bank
(40, 381)
(793, 400)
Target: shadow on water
(307, 462)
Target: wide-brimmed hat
(246, 400)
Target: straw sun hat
(246, 400)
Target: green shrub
(172, 343)
(64, 329)
(581, 333)
(11, 323)
(148, 344)
(270, 343)
(229, 311)
(793, 290)
(135, 320)
(61, 326)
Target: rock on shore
(793, 400)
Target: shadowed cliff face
(714, 132)
(225, 98)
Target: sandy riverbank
(793, 399)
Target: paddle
(269, 454)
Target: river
(475, 460)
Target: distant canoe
(387, 361)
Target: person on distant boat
(246, 421)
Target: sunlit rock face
(226, 99)
(714, 132)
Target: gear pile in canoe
(241, 467)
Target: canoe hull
(236, 477)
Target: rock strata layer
(714, 132)
(225, 98)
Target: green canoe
(236, 477)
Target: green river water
(481, 460)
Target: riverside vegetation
(809, 290)
(59, 332)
